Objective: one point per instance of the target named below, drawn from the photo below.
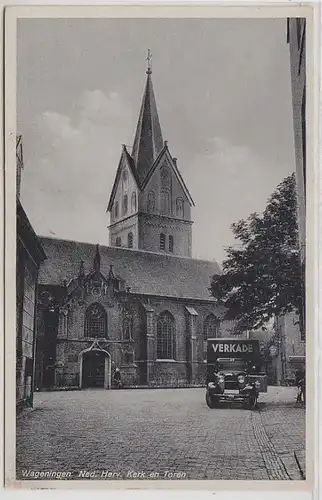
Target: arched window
(211, 327)
(127, 329)
(130, 240)
(133, 202)
(179, 207)
(162, 241)
(116, 209)
(165, 202)
(96, 321)
(171, 243)
(125, 180)
(118, 241)
(166, 336)
(125, 203)
(165, 178)
(151, 202)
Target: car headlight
(211, 384)
(221, 379)
(241, 379)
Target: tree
(262, 277)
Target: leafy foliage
(262, 277)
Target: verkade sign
(232, 348)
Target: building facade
(296, 37)
(142, 304)
(102, 308)
(29, 256)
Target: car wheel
(211, 401)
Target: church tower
(150, 205)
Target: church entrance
(93, 369)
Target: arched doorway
(94, 368)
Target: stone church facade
(141, 304)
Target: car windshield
(231, 364)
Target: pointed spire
(148, 140)
(97, 260)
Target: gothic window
(210, 330)
(171, 243)
(165, 178)
(165, 202)
(211, 327)
(96, 321)
(130, 240)
(179, 207)
(151, 202)
(162, 241)
(125, 180)
(125, 203)
(133, 202)
(127, 329)
(166, 336)
(118, 242)
(116, 209)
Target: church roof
(148, 140)
(145, 273)
(166, 153)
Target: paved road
(119, 434)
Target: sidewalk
(284, 422)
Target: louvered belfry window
(171, 243)
(162, 241)
(130, 240)
(96, 321)
(166, 336)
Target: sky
(223, 92)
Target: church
(141, 304)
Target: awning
(191, 311)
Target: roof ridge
(133, 250)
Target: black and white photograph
(161, 329)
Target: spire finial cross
(149, 59)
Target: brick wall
(175, 188)
(27, 271)
(151, 226)
(71, 342)
(296, 33)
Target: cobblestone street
(118, 434)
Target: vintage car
(233, 372)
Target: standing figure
(117, 378)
